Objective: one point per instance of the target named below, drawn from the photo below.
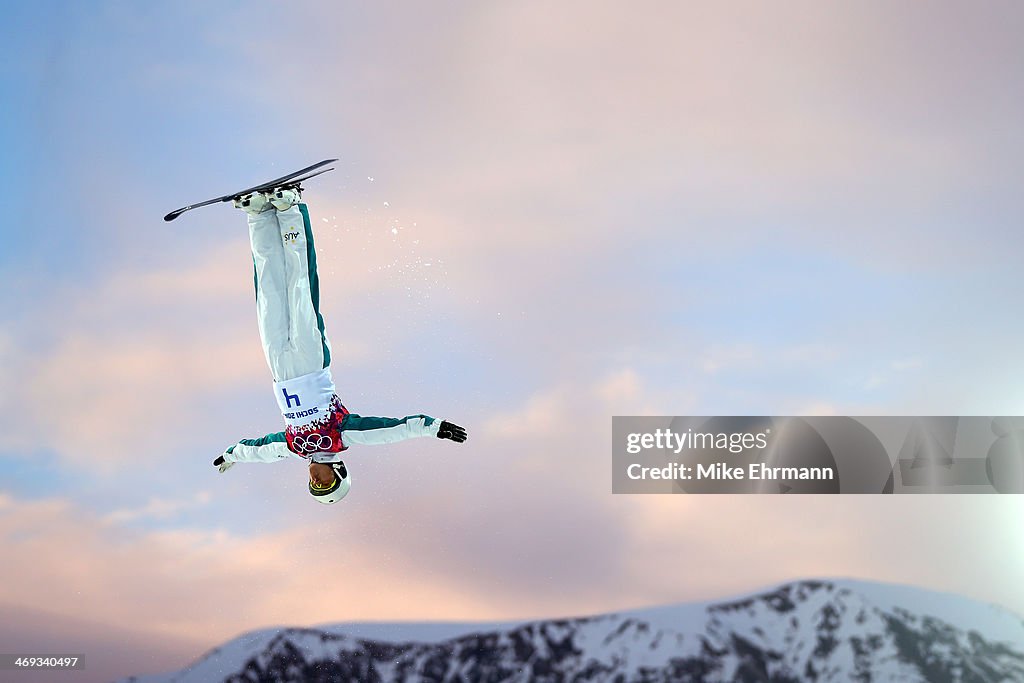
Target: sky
(543, 215)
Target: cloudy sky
(544, 214)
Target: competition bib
(312, 413)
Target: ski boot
(252, 204)
(285, 197)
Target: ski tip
(173, 214)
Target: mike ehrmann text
(720, 471)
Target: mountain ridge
(809, 630)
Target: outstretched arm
(373, 431)
(269, 448)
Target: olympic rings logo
(312, 443)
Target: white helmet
(336, 491)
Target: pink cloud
(575, 127)
(206, 583)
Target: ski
(289, 179)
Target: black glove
(222, 465)
(447, 430)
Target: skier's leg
(271, 288)
(309, 348)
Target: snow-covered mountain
(828, 630)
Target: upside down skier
(318, 427)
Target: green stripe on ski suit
(358, 423)
(262, 441)
(314, 281)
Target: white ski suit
(317, 424)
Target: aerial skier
(317, 426)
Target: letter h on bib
(288, 398)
